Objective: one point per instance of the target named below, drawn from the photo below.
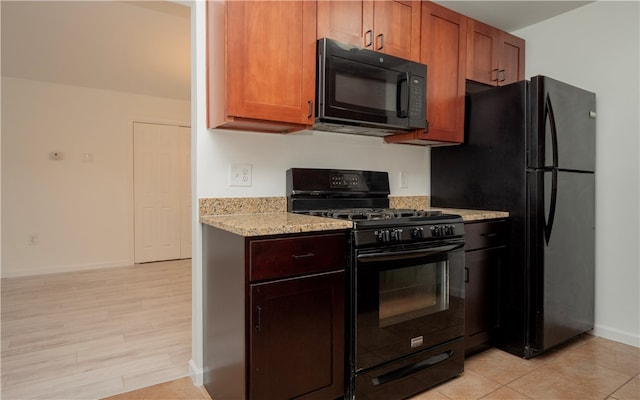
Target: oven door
(407, 299)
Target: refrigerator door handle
(548, 226)
(548, 113)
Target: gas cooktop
(374, 213)
(359, 196)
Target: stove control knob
(449, 230)
(383, 235)
(436, 231)
(396, 234)
(417, 233)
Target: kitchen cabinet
(391, 27)
(444, 51)
(274, 315)
(484, 257)
(494, 57)
(270, 54)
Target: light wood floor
(94, 334)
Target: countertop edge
(256, 224)
(273, 223)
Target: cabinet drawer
(480, 235)
(282, 257)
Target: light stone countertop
(273, 224)
(473, 215)
(260, 216)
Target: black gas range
(363, 198)
(405, 302)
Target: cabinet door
(481, 297)
(482, 52)
(397, 28)
(349, 22)
(270, 56)
(511, 59)
(444, 50)
(297, 326)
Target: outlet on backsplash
(240, 174)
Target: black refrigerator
(530, 150)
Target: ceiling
(144, 46)
(131, 46)
(511, 15)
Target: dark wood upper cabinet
(269, 66)
(444, 50)
(391, 27)
(494, 57)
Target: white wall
(272, 154)
(596, 47)
(81, 212)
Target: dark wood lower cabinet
(485, 244)
(274, 315)
(297, 338)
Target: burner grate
(357, 214)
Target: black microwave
(360, 91)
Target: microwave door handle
(402, 96)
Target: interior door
(157, 193)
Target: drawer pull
(489, 234)
(259, 318)
(301, 256)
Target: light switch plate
(404, 180)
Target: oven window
(413, 292)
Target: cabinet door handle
(466, 275)
(302, 256)
(492, 234)
(368, 38)
(310, 109)
(504, 75)
(258, 318)
(496, 72)
(381, 40)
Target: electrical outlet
(240, 175)
(404, 180)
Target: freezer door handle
(548, 113)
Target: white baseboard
(56, 269)
(617, 335)
(195, 373)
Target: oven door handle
(402, 255)
(411, 369)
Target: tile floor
(587, 368)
